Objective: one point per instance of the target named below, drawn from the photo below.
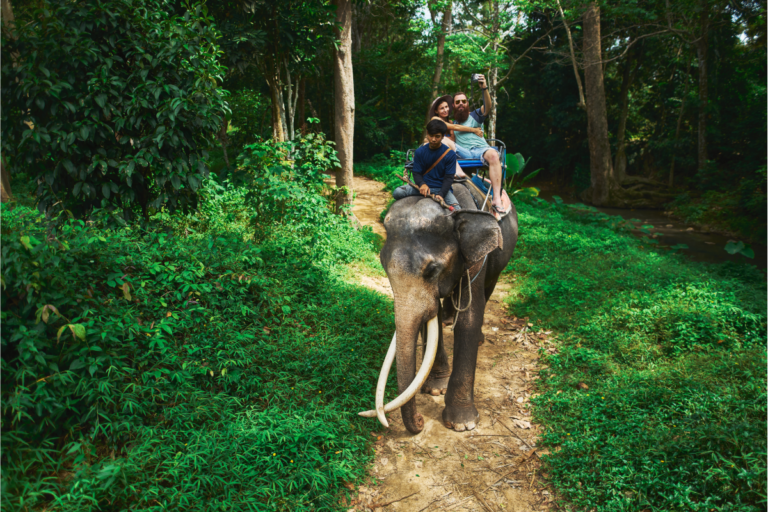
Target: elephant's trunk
(408, 323)
(408, 385)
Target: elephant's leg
(437, 382)
(460, 412)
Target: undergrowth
(672, 354)
(209, 361)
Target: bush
(200, 364)
(112, 104)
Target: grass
(673, 357)
(201, 362)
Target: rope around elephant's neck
(458, 307)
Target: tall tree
(445, 29)
(5, 182)
(601, 169)
(344, 98)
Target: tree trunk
(344, 98)
(273, 80)
(492, 90)
(302, 116)
(620, 161)
(445, 28)
(679, 124)
(582, 103)
(223, 139)
(493, 77)
(5, 182)
(701, 55)
(597, 117)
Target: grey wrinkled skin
(427, 251)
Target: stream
(703, 246)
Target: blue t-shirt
(425, 157)
(468, 139)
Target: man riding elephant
(470, 146)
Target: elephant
(432, 258)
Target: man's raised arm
(487, 101)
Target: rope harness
(457, 307)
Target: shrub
(193, 366)
(112, 104)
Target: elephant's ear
(478, 233)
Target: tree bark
(445, 28)
(223, 139)
(701, 55)
(302, 116)
(620, 161)
(493, 77)
(344, 99)
(10, 25)
(597, 117)
(582, 103)
(679, 124)
(273, 80)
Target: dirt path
(493, 468)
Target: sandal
(499, 209)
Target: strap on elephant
(458, 307)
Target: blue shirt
(443, 172)
(468, 139)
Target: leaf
(127, 291)
(84, 132)
(77, 364)
(25, 242)
(286, 310)
(101, 99)
(733, 247)
(521, 423)
(557, 199)
(679, 246)
(78, 330)
(105, 190)
(748, 252)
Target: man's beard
(461, 114)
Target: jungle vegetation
(177, 329)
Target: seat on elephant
(478, 197)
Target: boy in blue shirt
(434, 166)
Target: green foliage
(249, 109)
(202, 363)
(740, 209)
(112, 104)
(672, 352)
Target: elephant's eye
(432, 270)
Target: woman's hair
(436, 104)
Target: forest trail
(493, 468)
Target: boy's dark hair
(436, 126)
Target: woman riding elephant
(441, 109)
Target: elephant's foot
(461, 418)
(413, 421)
(435, 386)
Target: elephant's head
(426, 253)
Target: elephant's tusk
(382, 384)
(418, 381)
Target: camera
(474, 77)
